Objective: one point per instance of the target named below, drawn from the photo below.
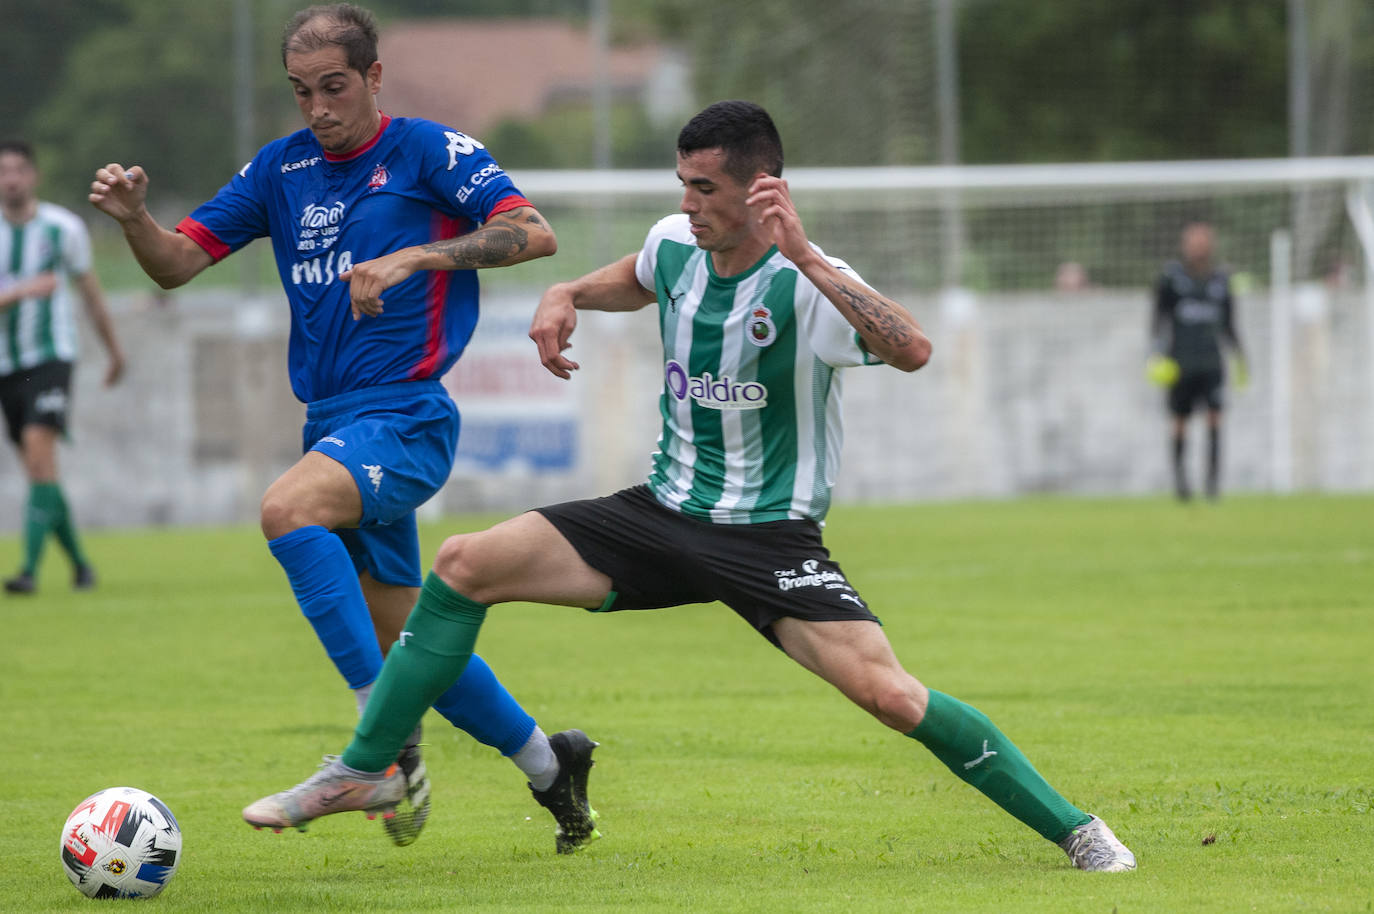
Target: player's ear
(374, 77)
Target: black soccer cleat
(566, 797)
(404, 827)
(22, 582)
(83, 578)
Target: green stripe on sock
(979, 754)
(434, 647)
(64, 528)
(39, 516)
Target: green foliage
(1081, 80)
(155, 91)
(846, 86)
(565, 138)
(37, 50)
(1197, 675)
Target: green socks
(47, 512)
(977, 752)
(430, 655)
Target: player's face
(18, 180)
(714, 201)
(1197, 244)
(339, 104)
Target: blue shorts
(398, 442)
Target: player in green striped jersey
(44, 254)
(757, 326)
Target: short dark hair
(333, 25)
(744, 131)
(19, 147)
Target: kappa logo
(294, 166)
(330, 439)
(374, 475)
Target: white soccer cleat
(1094, 848)
(334, 788)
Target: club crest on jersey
(711, 392)
(760, 328)
(379, 178)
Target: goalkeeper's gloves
(1240, 374)
(1161, 370)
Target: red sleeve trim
(506, 204)
(202, 236)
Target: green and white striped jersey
(37, 330)
(751, 395)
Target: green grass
(1199, 676)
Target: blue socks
(480, 706)
(326, 586)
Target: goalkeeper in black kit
(1194, 316)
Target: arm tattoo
(876, 319)
(492, 245)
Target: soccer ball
(121, 843)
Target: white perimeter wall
(1026, 393)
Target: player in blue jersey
(378, 225)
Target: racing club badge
(379, 178)
(760, 327)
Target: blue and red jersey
(414, 182)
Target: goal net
(1034, 283)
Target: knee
(456, 566)
(899, 703)
(280, 515)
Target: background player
(1194, 315)
(44, 252)
(756, 324)
(378, 225)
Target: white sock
(537, 761)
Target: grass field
(1200, 676)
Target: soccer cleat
(1094, 848)
(83, 578)
(332, 789)
(21, 583)
(566, 797)
(404, 827)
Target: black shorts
(36, 396)
(657, 557)
(1209, 387)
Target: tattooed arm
(505, 239)
(887, 329)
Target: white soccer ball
(121, 843)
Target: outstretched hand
(120, 192)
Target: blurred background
(1016, 173)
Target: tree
(155, 90)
